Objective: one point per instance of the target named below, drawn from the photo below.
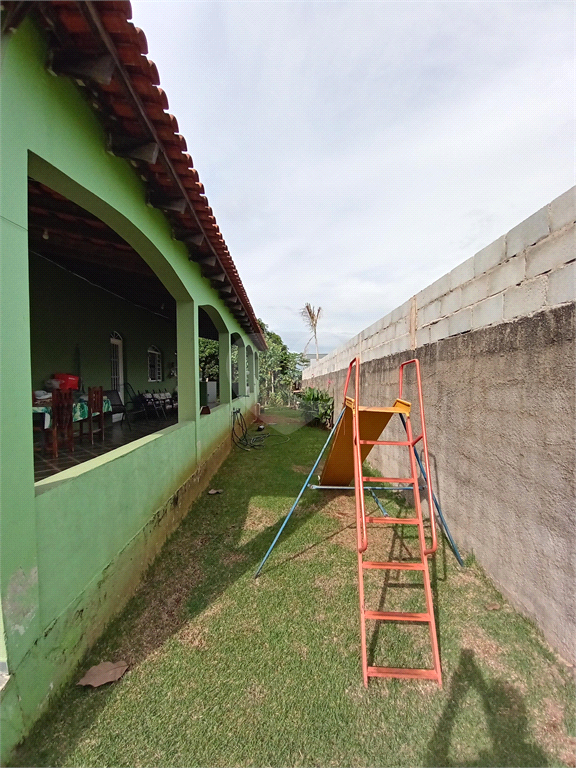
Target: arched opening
(214, 359)
(238, 362)
(99, 317)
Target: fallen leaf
(493, 607)
(106, 672)
(212, 491)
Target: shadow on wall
(506, 721)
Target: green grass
(226, 670)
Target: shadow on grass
(506, 721)
(198, 563)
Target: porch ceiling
(97, 45)
(68, 235)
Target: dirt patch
(256, 693)
(258, 519)
(347, 538)
(233, 558)
(192, 636)
(158, 620)
(340, 506)
(300, 469)
(552, 732)
(489, 653)
(328, 584)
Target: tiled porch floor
(115, 435)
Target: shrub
(318, 406)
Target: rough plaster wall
(500, 415)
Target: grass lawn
(226, 670)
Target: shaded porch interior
(99, 312)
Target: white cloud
(355, 151)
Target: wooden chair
(38, 426)
(62, 423)
(95, 412)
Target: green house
(113, 269)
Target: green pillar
(19, 571)
(188, 369)
(241, 371)
(225, 367)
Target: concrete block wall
(527, 270)
(496, 343)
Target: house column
(188, 369)
(19, 566)
(241, 371)
(225, 367)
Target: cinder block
(370, 354)
(439, 330)
(423, 336)
(460, 322)
(451, 302)
(389, 332)
(402, 327)
(402, 311)
(488, 312)
(475, 290)
(399, 344)
(522, 300)
(551, 253)
(383, 322)
(527, 233)
(563, 210)
(562, 285)
(433, 291)
(491, 256)
(429, 313)
(508, 274)
(462, 273)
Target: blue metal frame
(443, 522)
(300, 494)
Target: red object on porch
(67, 380)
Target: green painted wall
(103, 519)
(68, 313)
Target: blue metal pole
(377, 500)
(440, 515)
(300, 494)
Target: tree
(208, 356)
(280, 370)
(311, 317)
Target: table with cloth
(79, 411)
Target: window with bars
(154, 364)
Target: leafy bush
(318, 406)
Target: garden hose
(240, 433)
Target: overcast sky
(353, 152)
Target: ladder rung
(414, 674)
(396, 616)
(385, 442)
(394, 566)
(402, 480)
(393, 520)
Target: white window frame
(157, 364)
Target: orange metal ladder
(360, 448)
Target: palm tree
(311, 317)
